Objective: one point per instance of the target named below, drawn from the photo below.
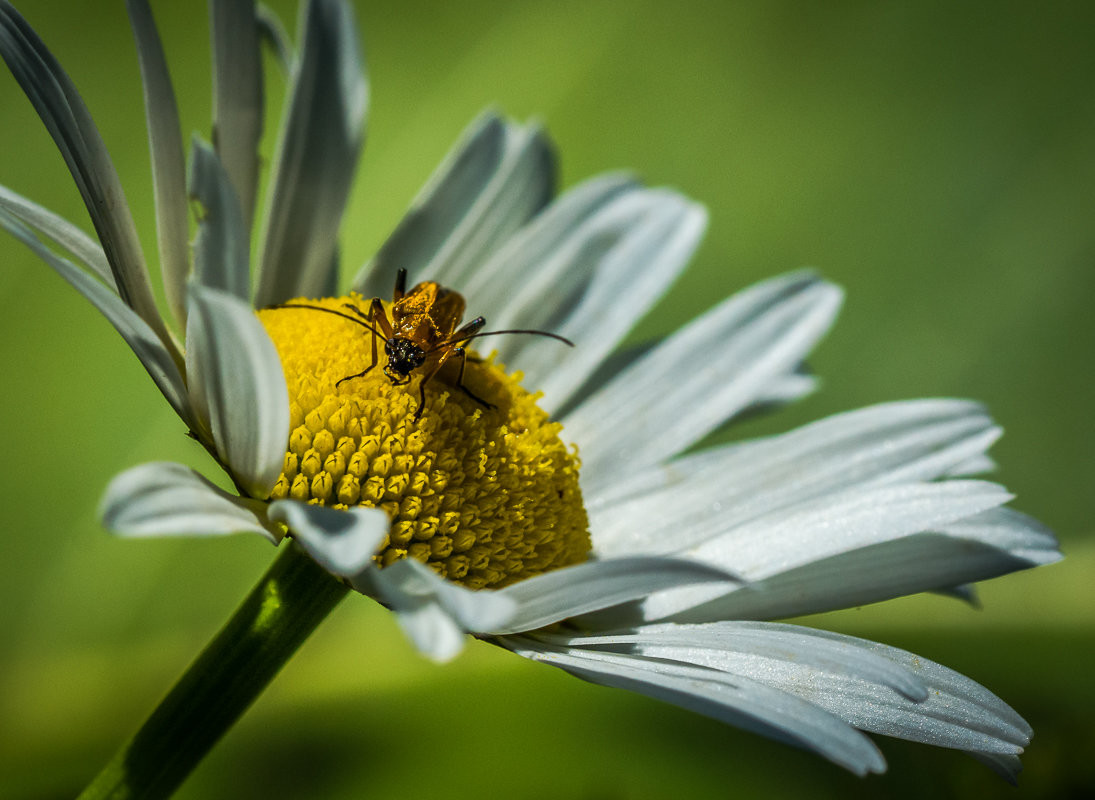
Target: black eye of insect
(422, 332)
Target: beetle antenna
(358, 320)
(471, 336)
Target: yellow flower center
(485, 496)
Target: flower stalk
(282, 610)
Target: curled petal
(343, 542)
(238, 387)
(434, 613)
(166, 499)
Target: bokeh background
(936, 159)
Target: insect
(422, 334)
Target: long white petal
(221, 248)
(166, 499)
(983, 546)
(238, 97)
(343, 542)
(540, 258)
(844, 521)
(726, 486)
(871, 686)
(168, 164)
(59, 231)
(716, 644)
(714, 367)
(602, 277)
(68, 121)
(595, 585)
(498, 176)
(739, 701)
(148, 347)
(320, 141)
(237, 384)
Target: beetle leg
(459, 351)
(400, 285)
(362, 372)
(378, 316)
(465, 332)
(426, 379)
(468, 330)
(374, 317)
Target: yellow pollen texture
(484, 496)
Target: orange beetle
(422, 333)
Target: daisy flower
(546, 499)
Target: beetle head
(404, 357)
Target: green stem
(290, 601)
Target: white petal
(845, 521)
(740, 701)
(984, 546)
(149, 348)
(716, 645)
(727, 486)
(236, 383)
(59, 231)
(535, 259)
(594, 585)
(871, 686)
(977, 465)
(221, 247)
(319, 145)
(434, 613)
(342, 542)
(784, 389)
(168, 164)
(165, 499)
(238, 97)
(701, 376)
(601, 277)
(61, 108)
(1020, 535)
(497, 177)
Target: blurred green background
(936, 159)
